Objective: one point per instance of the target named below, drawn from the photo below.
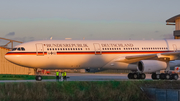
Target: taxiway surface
(86, 77)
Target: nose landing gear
(38, 78)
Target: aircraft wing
(167, 56)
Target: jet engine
(151, 66)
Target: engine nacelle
(151, 66)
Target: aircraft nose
(14, 58)
(6, 56)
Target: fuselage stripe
(90, 52)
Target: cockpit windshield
(22, 48)
(19, 49)
(14, 49)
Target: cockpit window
(19, 49)
(22, 48)
(14, 49)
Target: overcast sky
(27, 20)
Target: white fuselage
(87, 54)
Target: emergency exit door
(39, 49)
(97, 49)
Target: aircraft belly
(120, 65)
(71, 61)
(78, 61)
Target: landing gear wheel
(38, 78)
(157, 76)
(168, 76)
(130, 76)
(135, 76)
(142, 76)
(175, 76)
(153, 76)
(162, 76)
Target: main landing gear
(136, 76)
(165, 76)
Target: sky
(28, 20)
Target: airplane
(139, 56)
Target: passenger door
(39, 49)
(97, 49)
(174, 47)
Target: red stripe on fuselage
(25, 53)
(91, 52)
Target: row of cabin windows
(111, 48)
(19, 49)
(64, 48)
(135, 48)
(131, 48)
(120, 48)
(161, 48)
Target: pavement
(87, 77)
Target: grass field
(81, 90)
(22, 77)
(72, 91)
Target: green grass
(22, 77)
(72, 91)
(81, 90)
